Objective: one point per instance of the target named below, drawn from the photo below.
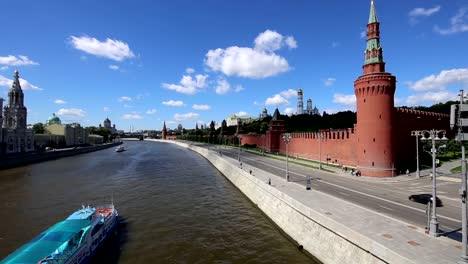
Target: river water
(175, 207)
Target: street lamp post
(320, 150)
(433, 135)
(417, 134)
(238, 153)
(287, 138)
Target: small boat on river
(120, 149)
(71, 241)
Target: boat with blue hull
(72, 241)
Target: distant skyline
(141, 63)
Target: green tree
(38, 128)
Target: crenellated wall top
(407, 111)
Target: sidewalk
(331, 170)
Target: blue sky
(142, 62)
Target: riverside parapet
(331, 229)
(22, 159)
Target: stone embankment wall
(326, 239)
(22, 159)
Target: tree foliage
(38, 128)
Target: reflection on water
(175, 206)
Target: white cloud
(223, 86)
(189, 70)
(114, 67)
(259, 62)
(151, 111)
(345, 99)
(17, 61)
(363, 34)
(276, 100)
(458, 23)
(4, 68)
(239, 88)
(71, 112)
(106, 109)
(291, 42)
(331, 111)
(124, 98)
(420, 11)
(268, 41)
(25, 85)
(111, 49)
(398, 101)
(329, 81)
(335, 44)
(258, 103)
(441, 81)
(188, 116)
(188, 84)
(289, 111)
(201, 107)
(59, 101)
(131, 116)
(127, 106)
(168, 123)
(242, 114)
(288, 93)
(431, 97)
(173, 103)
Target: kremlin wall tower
(380, 143)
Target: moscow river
(175, 207)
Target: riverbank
(22, 159)
(331, 229)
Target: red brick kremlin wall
(341, 145)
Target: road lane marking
(365, 194)
(443, 178)
(390, 209)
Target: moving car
(424, 198)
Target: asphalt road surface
(390, 199)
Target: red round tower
(374, 91)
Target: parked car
(424, 199)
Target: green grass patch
(294, 161)
(456, 170)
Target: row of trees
(306, 123)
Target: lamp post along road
(320, 150)
(287, 138)
(417, 134)
(238, 153)
(433, 135)
(458, 114)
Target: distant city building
(309, 110)
(60, 135)
(108, 125)
(179, 127)
(300, 106)
(14, 134)
(232, 120)
(164, 131)
(263, 114)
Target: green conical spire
(372, 14)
